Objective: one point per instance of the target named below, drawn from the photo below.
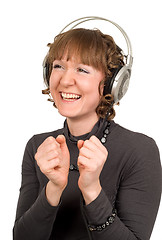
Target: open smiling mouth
(70, 96)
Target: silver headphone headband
(85, 19)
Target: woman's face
(74, 88)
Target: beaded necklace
(103, 140)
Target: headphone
(118, 84)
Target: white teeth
(69, 96)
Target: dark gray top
(130, 179)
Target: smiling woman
(91, 179)
(75, 45)
(74, 88)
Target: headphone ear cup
(118, 85)
(110, 81)
(121, 83)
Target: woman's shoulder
(39, 138)
(129, 139)
(133, 150)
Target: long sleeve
(130, 180)
(137, 199)
(35, 216)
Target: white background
(25, 29)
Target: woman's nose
(67, 79)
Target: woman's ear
(101, 87)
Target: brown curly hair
(90, 47)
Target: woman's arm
(34, 216)
(36, 212)
(137, 200)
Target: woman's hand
(92, 157)
(53, 159)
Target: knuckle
(86, 143)
(93, 137)
(50, 139)
(106, 153)
(54, 146)
(36, 156)
(82, 151)
(42, 168)
(38, 162)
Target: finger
(47, 153)
(90, 145)
(98, 143)
(51, 155)
(95, 140)
(83, 162)
(49, 144)
(50, 140)
(90, 166)
(80, 144)
(88, 153)
(50, 166)
(94, 150)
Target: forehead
(85, 46)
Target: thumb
(61, 140)
(80, 144)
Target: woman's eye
(57, 66)
(83, 70)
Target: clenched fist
(53, 158)
(92, 157)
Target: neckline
(101, 130)
(98, 130)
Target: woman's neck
(81, 126)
